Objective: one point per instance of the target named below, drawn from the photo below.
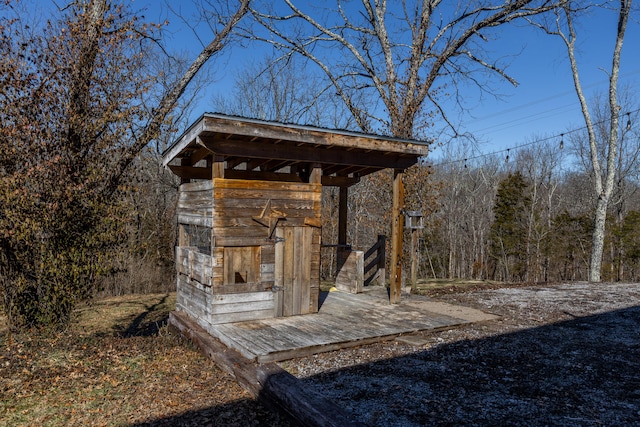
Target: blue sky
(543, 104)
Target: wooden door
(293, 270)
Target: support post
(382, 261)
(414, 260)
(342, 251)
(315, 174)
(217, 168)
(396, 237)
(183, 237)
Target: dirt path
(566, 354)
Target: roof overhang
(265, 147)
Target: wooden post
(414, 259)
(183, 237)
(315, 175)
(185, 162)
(396, 237)
(342, 252)
(382, 261)
(217, 168)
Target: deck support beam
(396, 237)
(269, 383)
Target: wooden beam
(199, 154)
(190, 172)
(308, 153)
(396, 237)
(339, 181)
(232, 162)
(327, 181)
(334, 169)
(256, 163)
(270, 384)
(274, 165)
(263, 176)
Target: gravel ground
(561, 355)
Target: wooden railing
(375, 268)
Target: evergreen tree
(629, 233)
(508, 237)
(568, 245)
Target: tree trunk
(603, 179)
(597, 241)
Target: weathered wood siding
(239, 202)
(350, 278)
(235, 281)
(247, 211)
(207, 308)
(195, 204)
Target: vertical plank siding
(350, 278)
(235, 281)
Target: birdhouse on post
(414, 221)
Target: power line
(551, 97)
(537, 141)
(524, 120)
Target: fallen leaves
(95, 376)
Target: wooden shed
(249, 212)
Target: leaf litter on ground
(118, 364)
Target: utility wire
(537, 141)
(551, 97)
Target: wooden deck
(344, 320)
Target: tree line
(529, 218)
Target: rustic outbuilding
(249, 212)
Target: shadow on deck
(344, 320)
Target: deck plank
(344, 320)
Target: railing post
(382, 259)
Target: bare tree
(465, 216)
(605, 167)
(402, 54)
(621, 199)
(541, 165)
(222, 26)
(289, 93)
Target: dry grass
(118, 364)
(438, 287)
